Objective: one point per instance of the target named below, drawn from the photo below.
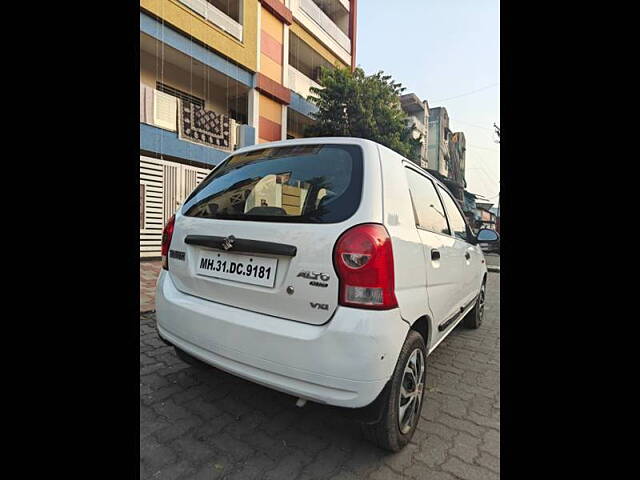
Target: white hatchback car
(326, 268)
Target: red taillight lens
(363, 258)
(167, 233)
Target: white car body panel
(409, 262)
(345, 362)
(340, 356)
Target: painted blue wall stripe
(170, 37)
(300, 105)
(157, 140)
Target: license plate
(239, 268)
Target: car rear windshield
(300, 184)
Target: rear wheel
(402, 410)
(476, 315)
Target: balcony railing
(215, 16)
(321, 18)
(300, 83)
(190, 122)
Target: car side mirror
(487, 235)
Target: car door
(443, 260)
(468, 256)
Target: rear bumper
(345, 363)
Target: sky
(441, 49)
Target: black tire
(188, 359)
(387, 433)
(476, 315)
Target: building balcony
(327, 20)
(189, 108)
(305, 65)
(174, 127)
(300, 83)
(224, 14)
(332, 17)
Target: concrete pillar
(254, 110)
(284, 122)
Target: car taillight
(363, 258)
(167, 233)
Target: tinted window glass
(456, 220)
(427, 205)
(302, 183)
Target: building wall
(181, 17)
(271, 65)
(425, 144)
(433, 145)
(438, 142)
(457, 152)
(270, 127)
(263, 50)
(309, 24)
(271, 41)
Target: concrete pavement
(201, 423)
(149, 271)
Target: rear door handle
(435, 254)
(467, 256)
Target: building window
(305, 59)
(225, 14)
(336, 12)
(296, 124)
(231, 8)
(185, 97)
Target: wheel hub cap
(481, 305)
(411, 388)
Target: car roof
(307, 141)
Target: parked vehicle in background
(326, 268)
(489, 241)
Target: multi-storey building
(418, 118)
(219, 74)
(457, 160)
(438, 145)
(486, 217)
(447, 152)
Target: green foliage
(352, 104)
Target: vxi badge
(314, 276)
(320, 306)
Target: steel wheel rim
(481, 303)
(411, 388)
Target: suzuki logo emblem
(227, 243)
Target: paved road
(492, 259)
(206, 424)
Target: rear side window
(456, 220)
(299, 184)
(426, 203)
